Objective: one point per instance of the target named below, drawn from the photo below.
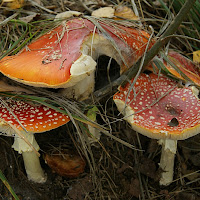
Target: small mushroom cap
(61, 58)
(34, 118)
(157, 108)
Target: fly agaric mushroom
(158, 109)
(65, 56)
(34, 119)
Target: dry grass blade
(141, 64)
(8, 19)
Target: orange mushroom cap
(48, 61)
(155, 103)
(185, 65)
(34, 118)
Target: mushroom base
(33, 168)
(31, 160)
(167, 160)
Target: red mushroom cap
(34, 118)
(131, 41)
(48, 61)
(159, 109)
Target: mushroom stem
(82, 89)
(31, 160)
(33, 168)
(167, 160)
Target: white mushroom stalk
(168, 153)
(32, 165)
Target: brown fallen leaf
(65, 163)
(13, 4)
(186, 195)
(190, 174)
(148, 168)
(125, 13)
(106, 12)
(195, 159)
(153, 146)
(28, 18)
(196, 56)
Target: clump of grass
(15, 34)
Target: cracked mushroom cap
(61, 57)
(157, 108)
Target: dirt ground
(115, 171)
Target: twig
(8, 19)
(41, 7)
(84, 6)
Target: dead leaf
(28, 18)
(106, 12)
(65, 163)
(152, 146)
(125, 12)
(123, 168)
(67, 14)
(13, 4)
(196, 56)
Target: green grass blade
(5, 182)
